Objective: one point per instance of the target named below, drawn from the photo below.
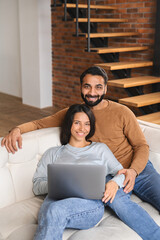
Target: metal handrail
(77, 16)
(65, 10)
(89, 26)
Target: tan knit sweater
(116, 126)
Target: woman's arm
(112, 186)
(113, 166)
(40, 185)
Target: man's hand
(10, 140)
(111, 189)
(130, 176)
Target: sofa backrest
(152, 134)
(16, 170)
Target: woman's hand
(111, 189)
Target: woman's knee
(87, 218)
(49, 212)
(95, 217)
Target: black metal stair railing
(109, 57)
(89, 29)
(77, 17)
(96, 42)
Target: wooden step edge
(118, 34)
(133, 82)
(152, 117)
(72, 5)
(124, 65)
(102, 20)
(116, 49)
(141, 100)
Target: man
(117, 127)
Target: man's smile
(91, 98)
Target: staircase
(149, 103)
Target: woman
(55, 216)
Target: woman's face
(80, 126)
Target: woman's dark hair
(68, 121)
(95, 70)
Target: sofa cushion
(25, 232)
(110, 228)
(22, 175)
(19, 215)
(152, 134)
(6, 188)
(19, 221)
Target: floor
(13, 113)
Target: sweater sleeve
(112, 166)
(137, 140)
(40, 185)
(54, 120)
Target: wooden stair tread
(141, 100)
(152, 117)
(133, 82)
(73, 5)
(118, 34)
(124, 65)
(118, 49)
(107, 20)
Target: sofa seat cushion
(111, 227)
(19, 221)
(18, 215)
(25, 232)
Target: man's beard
(90, 103)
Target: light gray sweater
(95, 153)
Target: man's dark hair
(68, 121)
(95, 70)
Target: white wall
(35, 44)
(25, 51)
(10, 76)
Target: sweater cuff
(119, 179)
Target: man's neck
(101, 105)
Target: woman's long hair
(68, 121)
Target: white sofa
(19, 207)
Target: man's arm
(136, 139)
(14, 135)
(140, 148)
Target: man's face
(93, 89)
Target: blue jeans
(147, 188)
(55, 216)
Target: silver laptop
(82, 181)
